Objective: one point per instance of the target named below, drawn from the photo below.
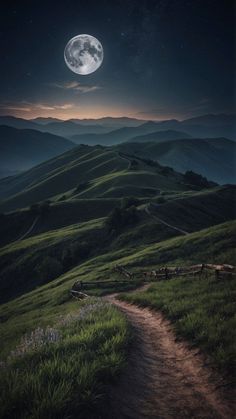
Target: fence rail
(170, 271)
(221, 272)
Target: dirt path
(164, 378)
(165, 223)
(29, 230)
(126, 159)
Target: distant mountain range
(21, 149)
(107, 122)
(117, 136)
(183, 145)
(160, 136)
(122, 129)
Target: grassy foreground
(201, 310)
(62, 371)
(44, 304)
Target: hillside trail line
(123, 157)
(180, 230)
(30, 229)
(164, 378)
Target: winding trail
(30, 229)
(164, 378)
(123, 157)
(180, 230)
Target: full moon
(83, 54)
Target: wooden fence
(221, 272)
(167, 272)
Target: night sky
(162, 59)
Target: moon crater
(83, 54)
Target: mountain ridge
(21, 149)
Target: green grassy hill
(70, 233)
(199, 210)
(60, 214)
(87, 172)
(213, 158)
(107, 206)
(48, 301)
(21, 149)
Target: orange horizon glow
(70, 110)
(74, 113)
(64, 112)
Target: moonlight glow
(83, 54)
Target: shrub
(44, 208)
(40, 208)
(34, 209)
(166, 171)
(35, 340)
(120, 218)
(62, 198)
(81, 187)
(195, 179)
(133, 164)
(74, 253)
(161, 200)
(49, 268)
(129, 201)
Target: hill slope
(21, 149)
(219, 125)
(213, 158)
(63, 231)
(117, 136)
(213, 125)
(87, 172)
(160, 136)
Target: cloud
(15, 108)
(52, 107)
(30, 106)
(75, 87)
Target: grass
(41, 258)
(202, 311)
(102, 168)
(67, 376)
(59, 176)
(201, 210)
(60, 215)
(42, 305)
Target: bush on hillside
(40, 208)
(62, 198)
(75, 253)
(48, 268)
(195, 179)
(166, 171)
(81, 187)
(120, 218)
(133, 164)
(34, 209)
(44, 208)
(161, 200)
(129, 201)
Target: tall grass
(66, 376)
(201, 310)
